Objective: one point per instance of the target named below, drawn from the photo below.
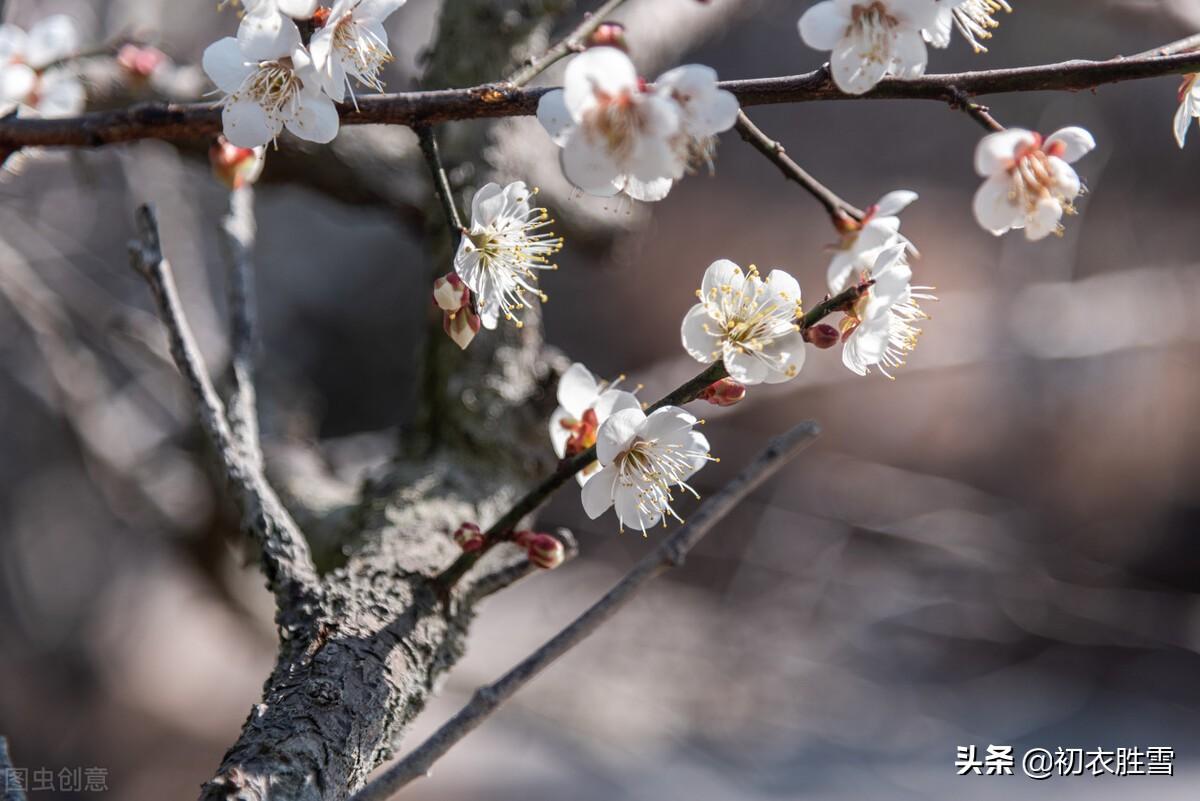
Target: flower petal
(60, 94)
(553, 115)
(788, 353)
(1066, 180)
(13, 43)
(246, 124)
(226, 65)
(1183, 121)
(558, 434)
(1075, 141)
(784, 286)
(486, 205)
(1044, 220)
(616, 432)
(378, 10)
(856, 69)
(721, 276)
(631, 511)
(744, 367)
(995, 152)
(597, 493)
(588, 165)
(895, 202)
(648, 191)
(51, 39)
(699, 336)
(604, 70)
(667, 423)
(909, 54)
(614, 400)
(823, 26)
(316, 120)
(298, 9)
(17, 81)
(577, 390)
(265, 37)
(993, 209)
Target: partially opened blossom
(880, 331)
(266, 94)
(353, 44)
(583, 405)
(1189, 107)
(643, 459)
(30, 83)
(748, 322)
(869, 39)
(863, 241)
(500, 254)
(1030, 182)
(236, 166)
(706, 110)
(616, 134)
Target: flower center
(364, 54)
(274, 86)
(618, 120)
(751, 318)
(872, 25)
(651, 468)
(583, 433)
(1034, 177)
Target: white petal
(298, 9)
(13, 43)
(597, 493)
(614, 400)
(51, 39)
(553, 115)
(61, 94)
(377, 9)
(588, 165)
(648, 191)
(895, 202)
(784, 286)
(16, 82)
(1066, 180)
(225, 64)
(320, 49)
(1044, 220)
(993, 209)
(630, 511)
(700, 344)
(486, 205)
(598, 69)
(721, 276)
(577, 390)
(616, 432)
(1183, 121)
(788, 352)
(909, 55)
(697, 442)
(996, 151)
(267, 36)
(853, 71)
(938, 34)
(743, 367)
(823, 26)
(558, 434)
(1076, 143)
(866, 346)
(667, 423)
(246, 124)
(316, 120)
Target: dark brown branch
(240, 228)
(976, 111)
(567, 468)
(835, 207)
(571, 43)
(286, 560)
(670, 553)
(196, 120)
(441, 183)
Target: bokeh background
(999, 547)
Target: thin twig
(571, 43)
(286, 560)
(13, 789)
(240, 229)
(836, 207)
(504, 577)
(976, 111)
(670, 553)
(567, 468)
(441, 183)
(196, 120)
(1188, 44)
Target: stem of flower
(959, 99)
(571, 43)
(441, 183)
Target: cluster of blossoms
(35, 80)
(870, 39)
(273, 81)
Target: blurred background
(996, 548)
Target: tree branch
(190, 121)
(670, 553)
(285, 556)
(571, 43)
(12, 789)
(441, 184)
(240, 228)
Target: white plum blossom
(863, 241)
(869, 39)
(500, 253)
(642, 458)
(29, 84)
(880, 330)
(268, 93)
(583, 405)
(976, 19)
(616, 135)
(353, 44)
(747, 322)
(1189, 107)
(1030, 182)
(706, 110)
(267, 28)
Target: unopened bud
(609, 34)
(450, 293)
(140, 61)
(236, 166)
(469, 537)
(321, 16)
(822, 335)
(725, 392)
(461, 326)
(844, 223)
(544, 550)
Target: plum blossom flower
(500, 253)
(643, 458)
(29, 83)
(880, 331)
(706, 110)
(616, 134)
(869, 39)
(976, 19)
(747, 322)
(863, 241)
(1189, 107)
(1030, 182)
(267, 29)
(267, 93)
(583, 405)
(353, 44)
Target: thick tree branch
(196, 120)
(670, 553)
(11, 787)
(571, 43)
(285, 556)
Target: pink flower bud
(822, 335)
(725, 392)
(450, 293)
(609, 34)
(141, 60)
(469, 537)
(235, 166)
(461, 326)
(544, 550)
